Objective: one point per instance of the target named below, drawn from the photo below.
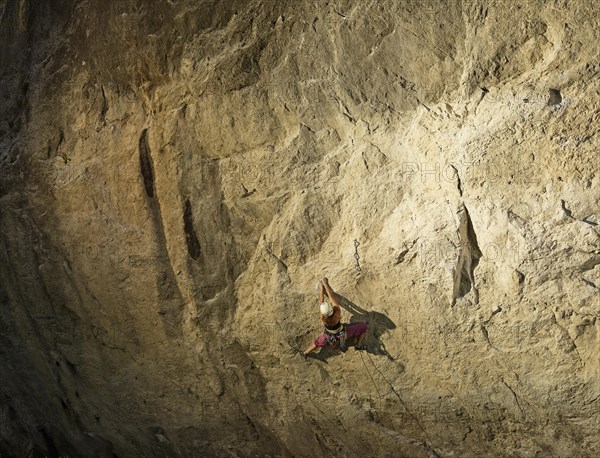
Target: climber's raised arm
(321, 292)
(330, 292)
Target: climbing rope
(356, 255)
(393, 390)
(372, 379)
(423, 444)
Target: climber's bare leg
(310, 349)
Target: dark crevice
(486, 335)
(468, 258)
(51, 448)
(567, 212)
(54, 144)
(590, 263)
(555, 97)
(193, 245)
(146, 164)
(401, 256)
(458, 182)
(104, 108)
(246, 192)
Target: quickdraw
(336, 338)
(356, 255)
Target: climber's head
(326, 309)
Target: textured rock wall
(176, 176)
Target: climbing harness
(335, 335)
(337, 330)
(333, 338)
(356, 255)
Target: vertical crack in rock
(104, 108)
(146, 164)
(458, 182)
(169, 294)
(516, 398)
(468, 258)
(193, 245)
(55, 144)
(49, 441)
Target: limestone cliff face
(177, 175)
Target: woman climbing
(335, 333)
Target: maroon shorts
(352, 330)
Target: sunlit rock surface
(177, 175)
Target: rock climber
(335, 333)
